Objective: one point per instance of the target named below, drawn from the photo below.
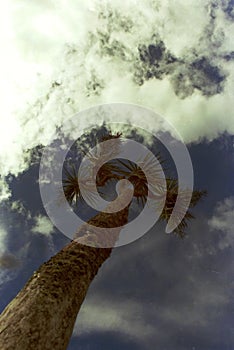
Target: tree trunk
(43, 314)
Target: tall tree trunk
(43, 314)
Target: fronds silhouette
(117, 169)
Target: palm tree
(43, 314)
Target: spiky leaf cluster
(118, 169)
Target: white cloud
(19, 207)
(4, 190)
(43, 225)
(4, 278)
(102, 315)
(192, 303)
(223, 220)
(35, 35)
(3, 240)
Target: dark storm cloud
(229, 56)
(197, 69)
(9, 261)
(228, 8)
(185, 75)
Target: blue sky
(175, 58)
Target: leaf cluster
(124, 169)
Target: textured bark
(43, 314)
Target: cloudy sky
(174, 57)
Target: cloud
(223, 220)
(8, 261)
(5, 277)
(164, 290)
(125, 317)
(175, 58)
(4, 190)
(43, 225)
(19, 207)
(3, 240)
(191, 308)
(196, 307)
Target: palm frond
(71, 185)
(134, 173)
(110, 136)
(118, 169)
(107, 173)
(136, 176)
(178, 215)
(110, 149)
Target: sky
(175, 58)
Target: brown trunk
(43, 314)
